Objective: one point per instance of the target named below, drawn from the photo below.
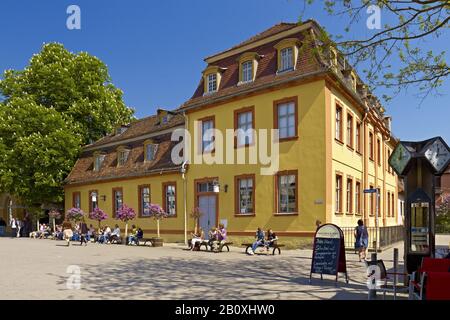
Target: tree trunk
(196, 225)
(54, 225)
(157, 226)
(126, 234)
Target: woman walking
(361, 239)
(83, 231)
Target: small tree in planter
(75, 214)
(196, 213)
(98, 215)
(158, 214)
(125, 214)
(54, 215)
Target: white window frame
(247, 71)
(289, 116)
(287, 59)
(211, 82)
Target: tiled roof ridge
(262, 35)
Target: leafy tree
(400, 54)
(443, 214)
(38, 150)
(58, 103)
(75, 85)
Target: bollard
(373, 293)
(395, 272)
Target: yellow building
(334, 142)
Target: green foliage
(58, 103)
(413, 25)
(76, 85)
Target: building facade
(334, 142)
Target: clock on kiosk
(418, 163)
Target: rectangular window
(358, 137)
(349, 199)
(388, 166)
(338, 194)
(287, 192)
(287, 61)
(285, 114)
(150, 151)
(170, 198)
(371, 145)
(122, 157)
(349, 130)
(93, 200)
(388, 204)
(379, 152)
(392, 205)
(245, 195)
(212, 82)
(76, 200)
(207, 135)
(144, 200)
(358, 197)
(244, 125)
(117, 200)
(247, 71)
(338, 123)
(98, 160)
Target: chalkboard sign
(326, 255)
(329, 252)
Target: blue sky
(155, 49)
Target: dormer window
(248, 64)
(212, 82)
(287, 54)
(121, 130)
(122, 156)
(150, 149)
(98, 161)
(211, 79)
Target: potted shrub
(54, 215)
(196, 213)
(125, 214)
(98, 215)
(158, 214)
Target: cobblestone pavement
(38, 269)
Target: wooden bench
(205, 243)
(275, 247)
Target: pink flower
(98, 215)
(157, 212)
(125, 213)
(75, 214)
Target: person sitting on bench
(271, 238)
(221, 238)
(133, 235)
(115, 235)
(197, 238)
(139, 235)
(260, 237)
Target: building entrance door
(208, 205)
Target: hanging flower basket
(75, 214)
(125, 214)
(98, 215)
(158, 214)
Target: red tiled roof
(135, 165)
(265, 74)
(280, 27)
(141, 127)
